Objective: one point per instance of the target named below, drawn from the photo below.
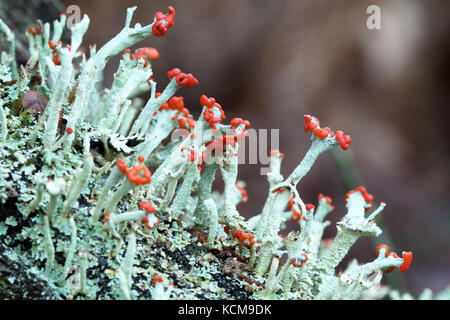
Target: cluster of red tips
(151, 220)
(60, 120)
(313, 124)
(243, 193)
(192, 156)
(156, 278)
(143, 53)
(69, 130)
(134, 176)
(237, 121)
(367, 196)
(120, 163)
(107, 216)
(327, 199)
(247, 239)
(33, 31)
(177, 103)
(299, 261)
(208, 114)
(385, 246)
(276, 152)
(218, 145)
(147, 206)
(407, 258)
(56, 56)
(163, 22)
(185, 120)
(133, 173)
(310, 124)
(183, 79)
(309, 206)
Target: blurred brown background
(273, 61)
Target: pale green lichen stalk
(81, 210)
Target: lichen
(82, 212)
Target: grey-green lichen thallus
(97, 203)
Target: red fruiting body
(327, 199)
(146, 221)
(187, 80)
(176, 103)
(291, 203)
(135, 178)
(141, 159)
(311, 125)
(51, 45)
(69, 130)
(276, 152)
(407, 258)
(156, 278)
(31, 30)
(243, 193)
(226, 229)
(163, 22)
(344, 140)
(164, 106)
(247, 239)
(367, 196)
(278, 190)
(151, 53)
(192, 156)
(391, 268)
(207, 102)
(121, 165)
(309, 206)
(182, 123)
(296, 215)
(383, 246)
(107, 216)
(147, 206)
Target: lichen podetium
(81, 210)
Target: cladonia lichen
(106, 196)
